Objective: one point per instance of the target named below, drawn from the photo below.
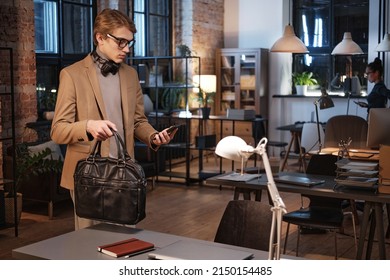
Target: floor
(192, 211)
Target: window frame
(336, 63)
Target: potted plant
(27, 164)
(204, 99)
(302, 81)
(183, 50)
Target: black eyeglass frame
(122, 43)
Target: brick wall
(199, 25)
(17, 32)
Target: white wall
(258, 24)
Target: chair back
(245, 223)
(323, 165)
(343, 127)
(309, 137)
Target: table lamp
(325, 102)
(235, 148)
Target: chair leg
(298, 237)
(286, 238)
(388, 220)
(335, 244)
(353, 227)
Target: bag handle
(121, 148)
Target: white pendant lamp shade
(384, 46)
(347, 46)
(289, 43)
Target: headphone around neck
(106, 66)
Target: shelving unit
(7, 126)
(242, 83)
(167, 82)
(242, 80)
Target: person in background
(99, 94)
(379, 94)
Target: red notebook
(128, 247)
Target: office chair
(245, 223)
(343, 127)
(322, 213)
(259, 131)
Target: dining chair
(245, 223)
(321, 213)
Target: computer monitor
(378, 127)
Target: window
(153, 20)
(63, 35)
(320, 24)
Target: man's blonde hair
(108, 20)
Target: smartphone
(172, 128)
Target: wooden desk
(374, 203)
(82, 244)
(354, 154)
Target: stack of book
(356, 173)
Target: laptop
(187, 250)
(298, 180)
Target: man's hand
(164, 137)
(100, 130)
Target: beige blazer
(79, 99)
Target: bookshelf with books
(242, 80)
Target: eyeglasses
(367, 73)
(122, 43)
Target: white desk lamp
(235, 148)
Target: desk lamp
(235, 148)
(347, 47)
(325, 102)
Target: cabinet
(167, 86)
(7, 127)
(242, 80)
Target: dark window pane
(88, 2)
(46, 27)
(313, 23)
(159, 44)
(77, 29)
(158, 7)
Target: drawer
(241, 129)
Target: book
(126, 247)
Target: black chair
(245, 223)
(322, 213)
(151, 163)
(259, 131)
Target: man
(98, 94)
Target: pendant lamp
(347, 46)
(289, 43)
(384, 46)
